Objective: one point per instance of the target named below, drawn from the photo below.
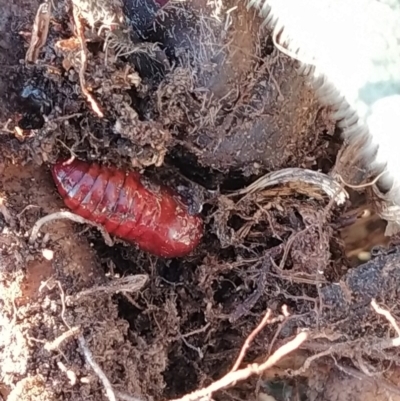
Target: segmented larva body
(128, 206)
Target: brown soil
(207, 105)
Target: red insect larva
(155, 219)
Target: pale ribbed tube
(353, 47)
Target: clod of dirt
(377, 279)
(233, 102)
(199, 90)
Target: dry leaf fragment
(40, 31)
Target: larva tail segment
(350, 51)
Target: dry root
(90, 360)
(66, 215)
(84, 53)
(127, 284)
(53, 345)
(301, 181)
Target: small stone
(48, 254)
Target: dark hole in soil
(139, 322)
(95, 47)
(267, 47)
(31, 121)
(227, 254)
(150, 68)
(182, 369)
(30, 94)
(211, 179)
(118, 254)
(225, 287)
(273, 242)
(332, 144)
(141, 105)
(235, 222)
(189, 167)
(171, 271)
(296, 220)
(197, 320)
(236, 180)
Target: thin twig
(197, 331)
(266, 319)
(192, 347)
(101, 375)
(65, 118)
(62, 298)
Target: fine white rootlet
(351, 50)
